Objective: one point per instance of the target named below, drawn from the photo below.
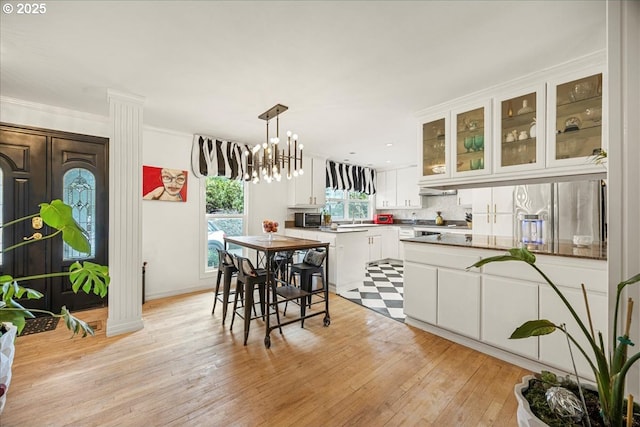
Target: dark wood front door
(40, 165)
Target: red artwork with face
(164, 184)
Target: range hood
(425, 191)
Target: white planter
(524, 414)
(7, 350)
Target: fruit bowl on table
(269, 227)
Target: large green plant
(88, 277)
(609, 370)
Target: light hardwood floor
(185, 369)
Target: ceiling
(353, 73)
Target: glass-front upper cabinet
(471, 134)
(520, 121)
(575, 120)
(435, 139)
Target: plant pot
(525, 416)
(7, 350)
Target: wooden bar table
(269, 245)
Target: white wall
(171, 239)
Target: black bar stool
(227, 268)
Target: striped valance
(214, 157)
(341, 176)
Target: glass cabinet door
(434, 148)
(577, 120)
(470, 134)
(521, 130)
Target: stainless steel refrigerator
(566, 209)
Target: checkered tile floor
(382, 290)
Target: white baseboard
(515, 359)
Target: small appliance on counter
(383, 219)
(308, 220)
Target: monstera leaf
(90, 277)
(60, 216)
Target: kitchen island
(481, 307)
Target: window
(79, 192)
(347, 205)
(224, 216)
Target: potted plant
(86, 276)
(609, 370)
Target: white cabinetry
(309, 188)
(506, 304)
(347, 256)
(520, 123)
(374, 247)
(386, 189)
(471, 139)
(465, 198)
(563, 105)
(398, 189)
(407, 189)
(553, 347)
(575, 117)
(459, 302)
(493, 211)
(390, 242)
(481, 308)
(420, 299)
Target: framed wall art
(164, 184)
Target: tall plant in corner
(86, 276)
(610, 369)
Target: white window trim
(205, 272)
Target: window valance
(214, 157)
(341, 176)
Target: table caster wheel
(267, 341)
(326, 321)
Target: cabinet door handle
(315, 202)
(488, 209)
(495, 209)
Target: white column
(125, 213)
(623, 60)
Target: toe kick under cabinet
(481, 308)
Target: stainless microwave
(308, 220)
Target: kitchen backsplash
(446, 205)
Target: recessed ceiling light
(389, 144)
(345, 160)
(388, 161)
(352, 152)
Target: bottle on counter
(439, 220)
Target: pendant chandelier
(266, 161)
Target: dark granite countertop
(561, 248)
